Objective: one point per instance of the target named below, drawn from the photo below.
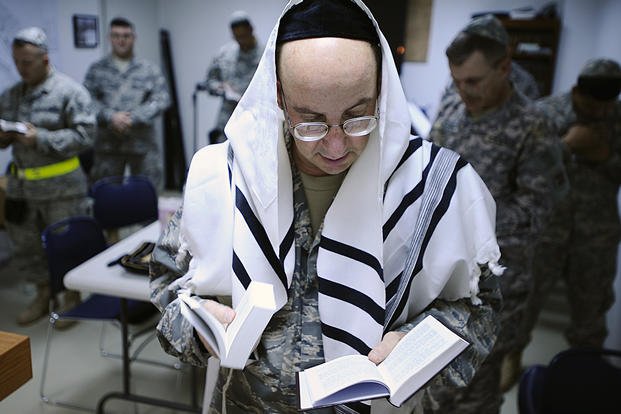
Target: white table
(96, 276)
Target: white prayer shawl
(387, 250)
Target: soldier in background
(580, 242)
(45, 181)
(128, 93)
(495, 128)
(521, 79)
(232, 69)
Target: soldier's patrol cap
(239, 17)
(601, 79)
(488, 26)
(33, 35)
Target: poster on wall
(85, 31)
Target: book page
(424, 351)
(252, 314)
(340, 373)
(212, 335)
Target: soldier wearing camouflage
(295, 337)
(580, 244)
(132, 88)
(496, 128)
(232, 69)
(45, 181)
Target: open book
(9, 126)
(416, 358)
(233, 344)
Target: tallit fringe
(496, 270)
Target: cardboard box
(15, 362)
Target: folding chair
(67, 244)
(576, 381)
(124, 201)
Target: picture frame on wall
(85, 31)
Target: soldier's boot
(71, 299)
(511, 370)
(38, 308)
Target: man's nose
(335, 138)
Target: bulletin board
(417, 27)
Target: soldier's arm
(611, 167)
(214, 81)
(477, 324)
(103, 114)
(78, 132)
(540, 181)
(174, 332)
(157, 100)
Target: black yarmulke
(326, 18)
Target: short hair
(121, 22)
(465, 44)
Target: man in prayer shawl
(320, 190)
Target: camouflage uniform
(523, 81)
(61, 111)
(511, 149)
(581, 242)
(236, 68)
(140, 90)
(293, 339)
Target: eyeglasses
(314, 131)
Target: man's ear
(505, 65)
(279, 94)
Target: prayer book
(9, 126)
(234, 343)
(416, 358)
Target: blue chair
(576, 381)
(124, 201)
(67, 244)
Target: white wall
(423, 82)
(198, 28)
(589, 29)
(63, 55)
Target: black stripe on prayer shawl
(413, 145)
(345, 337)
(411, 197)
(437, 215)
(393, 286)
(353, 297)
(353, 253)
(287, 243)
(435, 160)
(230, 156)
(240, 271)
(259, 235)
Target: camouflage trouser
(548, 267)
(109, 164)
(589, 276)
(28, 261)
(483, 395)
(586, 262)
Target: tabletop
(95, 276)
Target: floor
(80, 374)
